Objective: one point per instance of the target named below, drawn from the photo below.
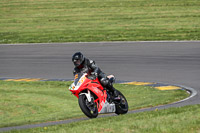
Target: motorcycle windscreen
(77, 78)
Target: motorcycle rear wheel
(85, 109)
(122, 106)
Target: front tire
(89, 111)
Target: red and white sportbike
(94, 99)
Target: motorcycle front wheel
(88, 108)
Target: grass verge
(173, 120)
(34, 102)
(28, 21)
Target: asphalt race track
(165, 62)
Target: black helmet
(78, 59)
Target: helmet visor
(77, 62)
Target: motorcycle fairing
(82, 83)
(108, 108)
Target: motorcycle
(94, 99)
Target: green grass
(40, 21)
(35, 102)
(173, 120)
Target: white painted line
(192, 91)
(124, 42)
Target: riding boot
(108, 84)
(113, 91)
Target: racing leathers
(91, 68)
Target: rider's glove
(94, 74)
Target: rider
(83, 64)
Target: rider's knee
(104, 81)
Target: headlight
(71, 87)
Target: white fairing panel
(78, 80)
(108, 108)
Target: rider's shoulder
(92, 62)
(89, 61)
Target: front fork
(89, 101)
(88, 96)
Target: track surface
(165, 62)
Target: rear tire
(85, 109)
(122, 106)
